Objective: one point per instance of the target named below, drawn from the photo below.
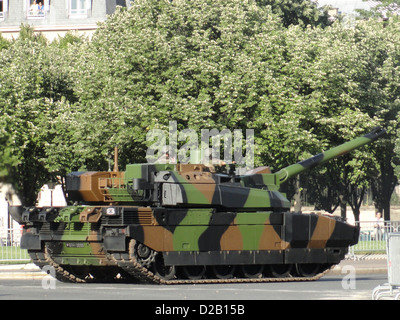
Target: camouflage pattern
(188, 214)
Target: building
(55, 17)
(7, 196)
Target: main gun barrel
(322, 157)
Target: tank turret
(186, 223)
(186, 185)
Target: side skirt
(289, 256)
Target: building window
(37, 9)
(3, 8)
(80, 8)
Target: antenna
(115, 159)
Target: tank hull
(186, 242)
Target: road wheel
(308, 269)
(161, 270)
(280, 270)
(224, 271)
(252, 270)
(193, 272)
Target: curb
(22, 275)
(343, 271)
(21, 271)
(361, 265)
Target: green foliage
(301, 12)
(27, 34)
(70, 38)
(31, 81)
(4, 43)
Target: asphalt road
(330, 287)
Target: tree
(377, 45)
(31, 81)
(320, 71)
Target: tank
(186, 223)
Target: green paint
(257, 198)
(68, 214)
(79, 253)
(187, 234)
(248, 218)
(193, 195)
(251, 226)
(120, 194)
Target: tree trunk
(356, 198)
(383, 187)
(356, 212)
(343, 207)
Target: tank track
(135, 271)
(42, 259)
(129, 263)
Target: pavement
(360, 264)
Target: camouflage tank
(186, 223)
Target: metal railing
(373, 236)
(10, 250)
